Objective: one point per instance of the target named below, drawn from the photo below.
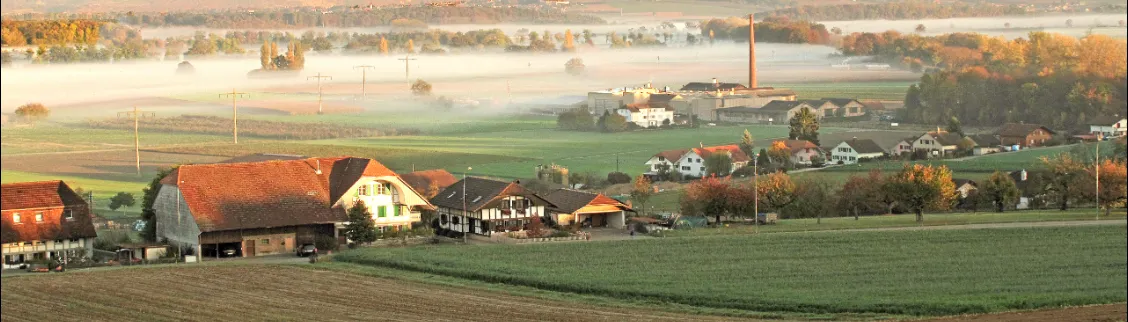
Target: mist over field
(996, 26)
(463, 75)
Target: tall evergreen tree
(805, 126)
(361, 228)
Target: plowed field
(275, 293)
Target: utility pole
(1097, 169)
(136, 136)
(465, 219)
(234, 112)
(319, 77)
(363, 79)
(407, 66)
(756, 190)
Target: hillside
(90, 6)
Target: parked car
(230, 252)
(306, 250)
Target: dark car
(306, 250)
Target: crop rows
(251, 128)
(924, 273)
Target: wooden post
(136, 141)
(234, 113)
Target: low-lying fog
(463, 75)
(996, 26)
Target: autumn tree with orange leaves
(861, 194)
(1114, 185)
(919, 187)
(707, 197)
(776, 191)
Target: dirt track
(276, 293)
(1098, 313)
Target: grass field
(922, 273)
(102, 189)
(277, 293)
(62, 138)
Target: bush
(560, 233)
(327, 243)
(618, 178)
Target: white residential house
(646, 115)
(853, 151)
(802, 151)
(691, 162)
(937, 143)
(1109, 128)
(612, 99)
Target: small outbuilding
(588, 209)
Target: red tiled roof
(798, 145)
(270, 194)
(53, 199)
(733, 150)
(672, 155)
(421, 180)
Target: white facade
(389, 200)
(648, 117)
(488, 220)
(20, 252)
(847, 155)
(1111, 130)
(612, 99)
(929, 143)
(899, 148)
(690, 164)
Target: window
(39, 217)
(383, 189)
(16, 218)
(521, 204)
(397, 211)
(362, 190)
(699, 160)
(702, 168)
(505, 205)
(265, 241)
(68, 214)
(382, 211)
(456, 220)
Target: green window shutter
(397, 211)
(382, 211)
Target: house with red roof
(691, 162)
(271, 207)
(802, 151)
(44, 220)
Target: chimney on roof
(751, 52)
(318, 167)
(702, 144)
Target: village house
(938, 143)
(802, 151)
(1109, 127)
(612, 99)
(775, 112)
(691, 162)
(587, 209)
(42, 221)
(855, 150)
(647, 115)
(482, 206)
(964, 187)
(985, 144)
(892, 145)
(429, 182)
(1024, 135)
(261, 208)
(849, 107)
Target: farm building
(1024, 135)
(647, 115)
(691, 162)
(985, 144)
(261, 208)
(855, 150)
(846, 107)
(802, 151)
(775, 112)
(611, 99)
(44, 220)
(1109, 127)
(429, 182)
(937, 142)
(587, 209)
(483, 206)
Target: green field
(48, 137)
(919, 273)
(102, 189)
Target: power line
(319, 77)
(407, 66)
(234, 112)
(363, 79)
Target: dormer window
(39, 217)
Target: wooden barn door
(248, 248)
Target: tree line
(912, 9)
(1052, 79)
(339, 17)
(49, 32)
(773, 29)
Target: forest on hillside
(777, 30)
(1051, 79)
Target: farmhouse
(1109, 127)
(691, 162)
(937, 142)
(647, 114)
(1024, 135)
(965, 186)
(261, 208)
(894, 146)
(985, 144)
(802, 151)
(587, 209)
(853, 151)
(846, 107)
(44, 220)
(775, 112)
(483, 206)
(429, 182)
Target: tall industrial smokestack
(751, 52)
